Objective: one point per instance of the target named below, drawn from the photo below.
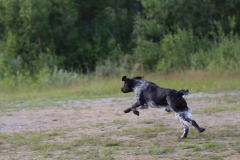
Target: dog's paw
(201, 130)
(136, 112)
(168, 110)
(128, 110)
(182, 137)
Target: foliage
(45, 40)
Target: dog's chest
(138, 88)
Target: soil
(105, 110)
(90, 112)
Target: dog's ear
(127, 80)
(124, 78)
(138, 77)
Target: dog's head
(129, 83)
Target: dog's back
(156, 96)
(149, 94)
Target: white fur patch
(188, 113)
(153, 105)
(138, 88)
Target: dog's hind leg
(184, 124)
(192, 122)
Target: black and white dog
(149, 94)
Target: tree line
(85, 35)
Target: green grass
(120, 121)
(88, 107)
(40, 95)
(144, 133)
(107, 152)
(155, 140)
(236, 146)
(195, 147)
(140, 141)
(111, 142)
(215, 109)
(215, 146)
(146, 122)
(98, 125)
(156, 151)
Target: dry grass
(93, 87)
(144, 139)
(102, 146)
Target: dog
(148, 94)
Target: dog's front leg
(168, 109)
(133, 108)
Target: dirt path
(105, 110)
(91, 113)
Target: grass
(215, 109)
(155, 140)
(95, 87)
(146, 122)
(88, 107)
(98, 125)
(119, 121)
(156, 151)
(215, 146)
(143, 141)
(236, 146)
(194, 146)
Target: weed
(158, 125)
(215, 146)
(111, 142)
(146, 122)
(98, 125)
(216, 157)
(94, 153)
(133, 143)
(86, 139)
(96, 87)
(119, 121)
(229, 131)
(83, 127)
(48, 155)
(157, 151)
(88, 107)
(231, 101)
(138, 152)
(210, 110)
(236, 146)
(195, 147)
(107, 152)
(80, 152)
(53, 134)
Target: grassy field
(152, 135)
(98, 87)
(78, 121)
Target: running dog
(148, 94)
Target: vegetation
(210, 110)
(60, 143)
(61, 41)
(52, 51)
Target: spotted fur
(149, 94)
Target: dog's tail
(183, 92)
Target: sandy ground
(106, 110)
